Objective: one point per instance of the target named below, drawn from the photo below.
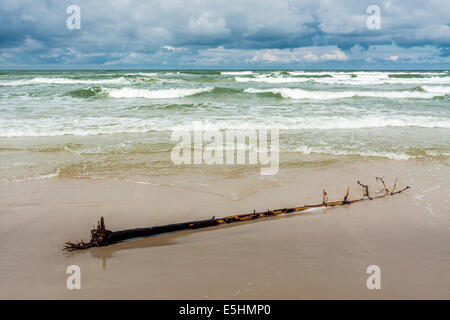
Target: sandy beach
(252, 129)
(323, 254)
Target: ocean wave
(437, 89)
(82, 126)
(371, 73)
(326, 95)
(143, 74)
(353, 79)
(272, 79)
(309, 73)
(171, 93)
(329, 150)
(89, 126)
(40, 80)
(367, 79)
(199, 72)
(236, 73)
(318, 123)
(86, 93)
(405, 75)
(34, 178)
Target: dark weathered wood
(100, 236)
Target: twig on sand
(101, 237)
(384, 185)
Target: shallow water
(117, 123)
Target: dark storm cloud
(233, 32)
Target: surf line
(101, 237)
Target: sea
(114, 124)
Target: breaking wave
(236, 73)
(40, 80)
(298, 94)
(84, 126)
(353, 78)
(172, 93)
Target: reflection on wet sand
(168, 239)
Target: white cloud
(271, 57)
(205, 24)
(225, 32)
(393, 58)
(308, 54)
(310, 57)
(336, 55)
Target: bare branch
(366, 190)
(346, 196)
(384, 185)
(101, 237)
(324, 197)
(393, 188)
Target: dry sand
(320, 255)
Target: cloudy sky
(230, 34)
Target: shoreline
(320, 255)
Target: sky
(231, 34)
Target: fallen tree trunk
(101, 237)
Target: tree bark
(101, 237)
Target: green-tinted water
(114, 123)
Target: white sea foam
(143, 74)
(365, 153)
(370, 81)
(437, 89)
(326, 95)
(354, 79)
(34, 178)
(85, 126)
(236, 73)
(376, 78)
(171, 93)
(309, 73)
(80, 126)
(40, 80)
(319, 122)
(372, 73)
(271, 79)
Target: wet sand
(320, 255)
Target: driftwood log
(101, 237)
